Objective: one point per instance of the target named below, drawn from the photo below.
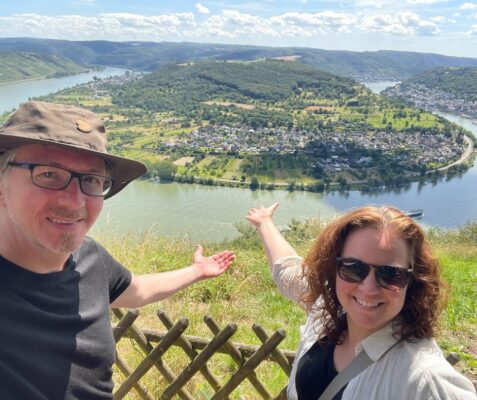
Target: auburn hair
(426, 292)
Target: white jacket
(409, 371)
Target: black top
(55, 331)
(315, 372)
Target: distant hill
(24, 66)
(444, 89)
(151, 56)
(460, 82)
(181, 87)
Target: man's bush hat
(70, 127)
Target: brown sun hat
(70, 127)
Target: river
(203, 213)
(11, 95)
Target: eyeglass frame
(73, 174)
(378, 277)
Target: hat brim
(123, 170)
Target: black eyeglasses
(56, 178)
(387, 276)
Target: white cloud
(456, 14)
(468, 6)
(119, 26)
(404, 23)
(472, 31)
(425, 1)
(228, 25)
(202, 9)
(324, 20)
(438, 19)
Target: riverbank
(246, 294)
(39, 78)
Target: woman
(369, 283)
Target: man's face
(38, 219)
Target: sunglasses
(388, 277)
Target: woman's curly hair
(426, 292)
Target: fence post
(201, 359)
(250, 364)
(276, 354)
(189, 350)
(123, 325)
(140, 338)
(237, 357)
(149, 361)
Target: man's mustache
(69, 214)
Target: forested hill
(444, 89)
(182, 87)
(385, 65)
(151, 56)
(24, 66)
(459, 82)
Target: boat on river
(417, 213)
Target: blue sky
(437, 26)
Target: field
(247, 295)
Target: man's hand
(256, 216)
(214, 265)
(146, 289)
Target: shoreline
(46, 77)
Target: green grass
(246, 294)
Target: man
(56, 285)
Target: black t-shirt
(56, 339)
(315, 372)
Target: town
(341, 151)
(432, 99)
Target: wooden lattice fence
(154, 344)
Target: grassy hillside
(246, 295)
(16, 67)
(151, 56)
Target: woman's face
(369, 306)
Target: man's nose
(72, 193)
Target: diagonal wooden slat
(151, 358)
(125, 322)
(139, 337)
(199, 343)
(199, 361)
(276, 354)
(237, 357)
(143, 393)
(190, 351)
(262, 353)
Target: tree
(254, 183)
(165, 170)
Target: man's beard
(66, 241)
(66, 244)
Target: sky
(433, 26)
